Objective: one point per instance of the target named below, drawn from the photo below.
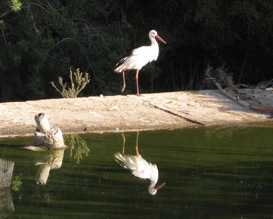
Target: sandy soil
(129, 112)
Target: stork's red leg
(124, 85)
(137, 71)
(137, 153)
(123, 145)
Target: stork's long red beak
(160, 186)
(159, 38)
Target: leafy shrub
(77, 82)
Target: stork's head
(153, 190)
(153, 34)
(154, 177)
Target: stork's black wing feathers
(124, 59)
(121, 62)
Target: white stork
(139, 57)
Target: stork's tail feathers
(121, 160)
(119, 66)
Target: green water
(220, 172)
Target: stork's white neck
(151, 188)
(153, 41)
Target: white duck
(139, 167)
(139, 58)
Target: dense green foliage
(40, 40)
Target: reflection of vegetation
(48, 197)
(77, 146)
(16, 183)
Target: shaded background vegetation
(41, 39)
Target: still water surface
(219, 172)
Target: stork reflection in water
(139, 167)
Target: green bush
(77, 84)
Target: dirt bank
(129, 112)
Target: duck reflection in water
(139, 167)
